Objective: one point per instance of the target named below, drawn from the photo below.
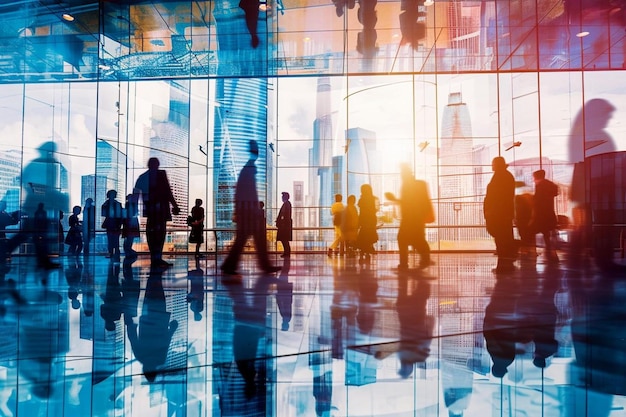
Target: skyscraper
(320, 156)
(240, 117)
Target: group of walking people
(355, 229)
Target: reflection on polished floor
(324, 337)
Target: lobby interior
(336, 94)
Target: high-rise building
(111, 163)
(239, 118)
(360, 159)
(320, 156)
(10, 163)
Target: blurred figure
(112, 300)
(336, 211)
(521, 312)
(74, 238)
(195, 298)
(249, 311)
(544, 218)
(155, 190)
(41, 346)
(251, 10)
(89, 225)
(197, 226)
(73, 277)
(130, 229)
(589, 138)
(112, 213)
(284, 295)
(41, 182)
(350, 225)
(367, 222)
(150, 340)
(416, 210)
(284, 225)
(412, 30)
(6, 219)
(523, 216)
(61, 233)
(499, 212)
(416, 327)
(247, 216)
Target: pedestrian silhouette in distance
(130, 228)
(248, 218)
(416, 210)
(154, 188)
(499, 212)
(368, 235)
(74, 237)
(89, 225)
(336, 212)
(544, 219)
(196, 221)
(284, 225)
(113, 215)
(350, 225)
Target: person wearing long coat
(367, 221)
(499, 212)
(284, 224)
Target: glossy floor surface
(324, 337)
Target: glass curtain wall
(338, 94)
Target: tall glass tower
(241, 116)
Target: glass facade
(442, 85)
(336, 93)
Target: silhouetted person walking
(415, 211)
(284, 225)
(350, 225)
(74, 237)
(247, 215)
(336, 211)
(130, 229)
(111, 211)
(155, 190)
(499, 211)
(544, 218)
(367, 222)
(89, 225)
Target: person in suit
(544, 218)
(111, 210)
(284, 225)
(247, 216)
(499, 212)
(154, 188)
